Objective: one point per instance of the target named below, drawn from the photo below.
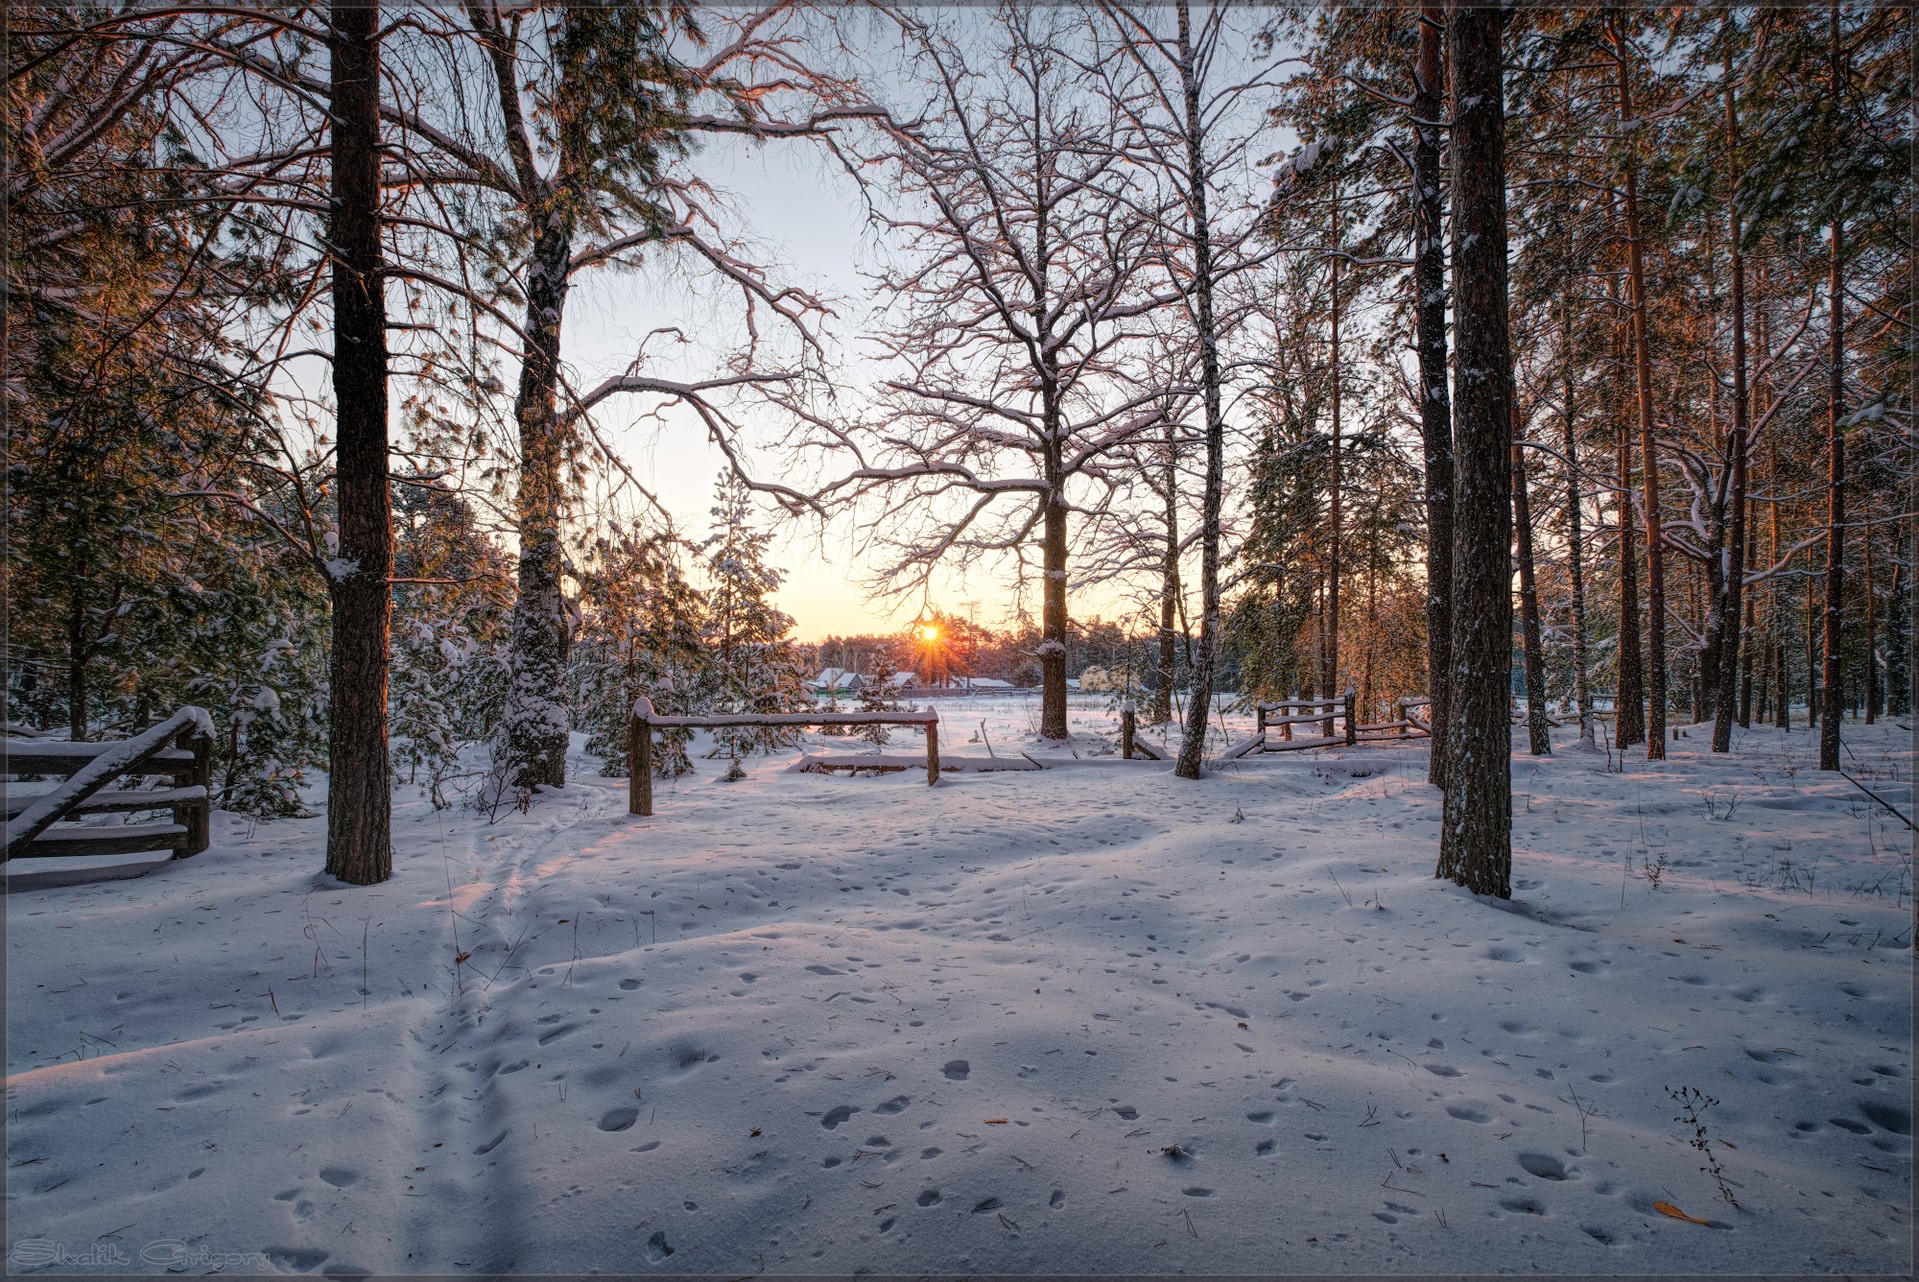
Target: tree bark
(536, 719)
(1629, 726)
(1648, 448)
(1168, 587)
(1329, 657)
(359, 803)
(1832, 678)
(1476, 825)
(1575, 541)
(1192, 746)
(1052, 646)
(1872, 635)
(1435, 400)
(1538, 729)
(1731, 611)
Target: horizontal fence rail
(644, 721)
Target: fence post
(639, 758)
(1128, 724)
(1352, 722)
(196, 816)
(1286, 707)
(932, 752)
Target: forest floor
(1091, 1020)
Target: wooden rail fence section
(639, 739)
(180, 747)
(1284, 714)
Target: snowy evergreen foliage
(750, 661)
(449, 677)
(641, 623)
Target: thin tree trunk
(77, 654)
(359, 803)
(1329, 659)
(1168, 587)
(1872, 637)
(1648, 448)
(1735, 551)
(1575, 541)
(1435, 400)
(1835, 461)
(1193, 745)
(1813, 709)
(1629, 704)
(1538, 729)
(1476, 824)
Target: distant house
(836, 681)
(901, 680)
(985, 685)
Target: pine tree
(751, 663)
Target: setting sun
(929, 632)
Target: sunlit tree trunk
(1648, 448)
(1575, 540)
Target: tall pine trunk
(1575, 540)
(1476, 825)
(1538, 729)
(1831, 628)
(1735, 549)
(1435, 400)
(536, 717)
(1629, 726)
(359, 803)
(1648, 448)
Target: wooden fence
(639, 741)
(180, 748)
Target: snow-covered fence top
(639, 739)
(180, 746)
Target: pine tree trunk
(1192, 747)
(1575, 546)
(1872, 636)
(77, 654)
(1831, 678)
(1538, 729)
(359, 829)
(1735, 550)
(1476, 825)
(1629, 727)
(1812, 653)
(536, 718)
(1435, 400)
(1648, 448)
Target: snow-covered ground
(1091, 1019)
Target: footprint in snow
(956, 1070)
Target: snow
(1090, 1019)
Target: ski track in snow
(1089, 1020)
